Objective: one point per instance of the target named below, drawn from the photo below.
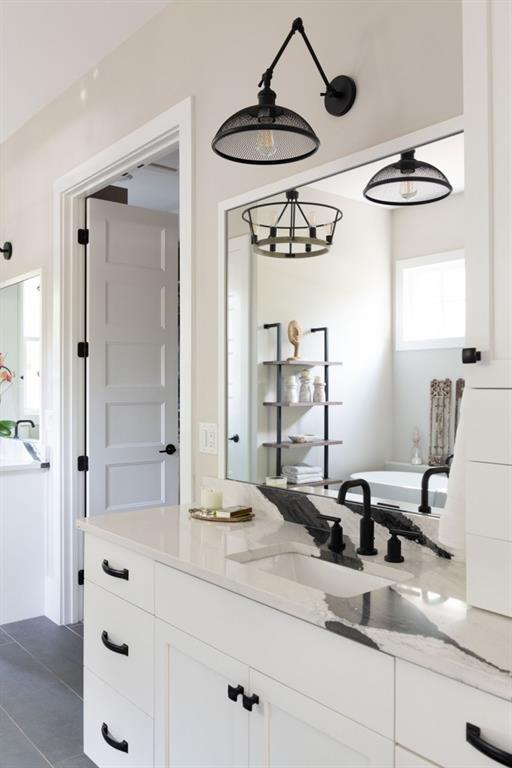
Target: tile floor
(41, 695)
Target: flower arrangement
(6, 378)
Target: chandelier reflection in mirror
(293, 229)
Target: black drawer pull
(122, 649)
(122, 573)
(234, 693)
(249, 701)
(122, 746)
(499, 755)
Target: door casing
(163, 133)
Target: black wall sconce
(407, 182)
(7, 250)
(267, 134)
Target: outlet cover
(207, 438)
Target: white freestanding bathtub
(404, 486)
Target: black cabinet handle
(122, 746)
(169, 449)
(122, 649)
(249, 701)
(234, 693)
(122, 573)
(498, 755)
(471, 355)
(234, 438)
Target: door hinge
(83, 349)
(83, 236)
(83, 463)
(81, 577)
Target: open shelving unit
(279, 444)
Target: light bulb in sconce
(408, 190)
(265, 144)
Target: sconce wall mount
(7, 250)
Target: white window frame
(401, 345)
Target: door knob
(234, 438)
(169, 449)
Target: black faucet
(366, 526)
(424, 507)
(336, 543)
(22, 421)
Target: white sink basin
(338, 580)
(13, 452)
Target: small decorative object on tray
(235, 514)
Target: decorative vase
(319, 390)
(416, 458)
(306, 388)
(291, 394)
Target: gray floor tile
(20, 672)
(79, 761)
(51, 717)
(54, 646)
(77, 628)
(15, 749)
(4, 637)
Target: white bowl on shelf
(303, 438)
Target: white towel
(305, 480)
(301, 470)
(452, 525)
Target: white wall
(349, 291)
(216, 51)
(420, 231)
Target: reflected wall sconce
(267, 134)
(7, 250)
(298, 230)
(408, 182)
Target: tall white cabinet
(488, 247)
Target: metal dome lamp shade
(267, 134)
(298, 231)
(408, 182)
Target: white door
(132, 404)
(197, 725)
(289, 730)
(239, 346)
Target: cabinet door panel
(406, 759)
(289, 730)
(196, 724)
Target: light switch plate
(207, 438)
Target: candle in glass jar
(211, 499)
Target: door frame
(168, 130)
(369, 155)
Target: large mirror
(20, 357)
(344, 346)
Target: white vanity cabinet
(215, 711)
(202, 677)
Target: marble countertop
(423, 619)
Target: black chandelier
(266, 133)
(293, 234)
(407, 182)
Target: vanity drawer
(105, 708)
(118, 570)
(127, 665)
(489, 425)
(432, 712)
(489, 500)
(318, 663)
(489, 574)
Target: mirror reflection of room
(20, 358)
(370, 384)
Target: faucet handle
(336, 543)
(394, 553)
